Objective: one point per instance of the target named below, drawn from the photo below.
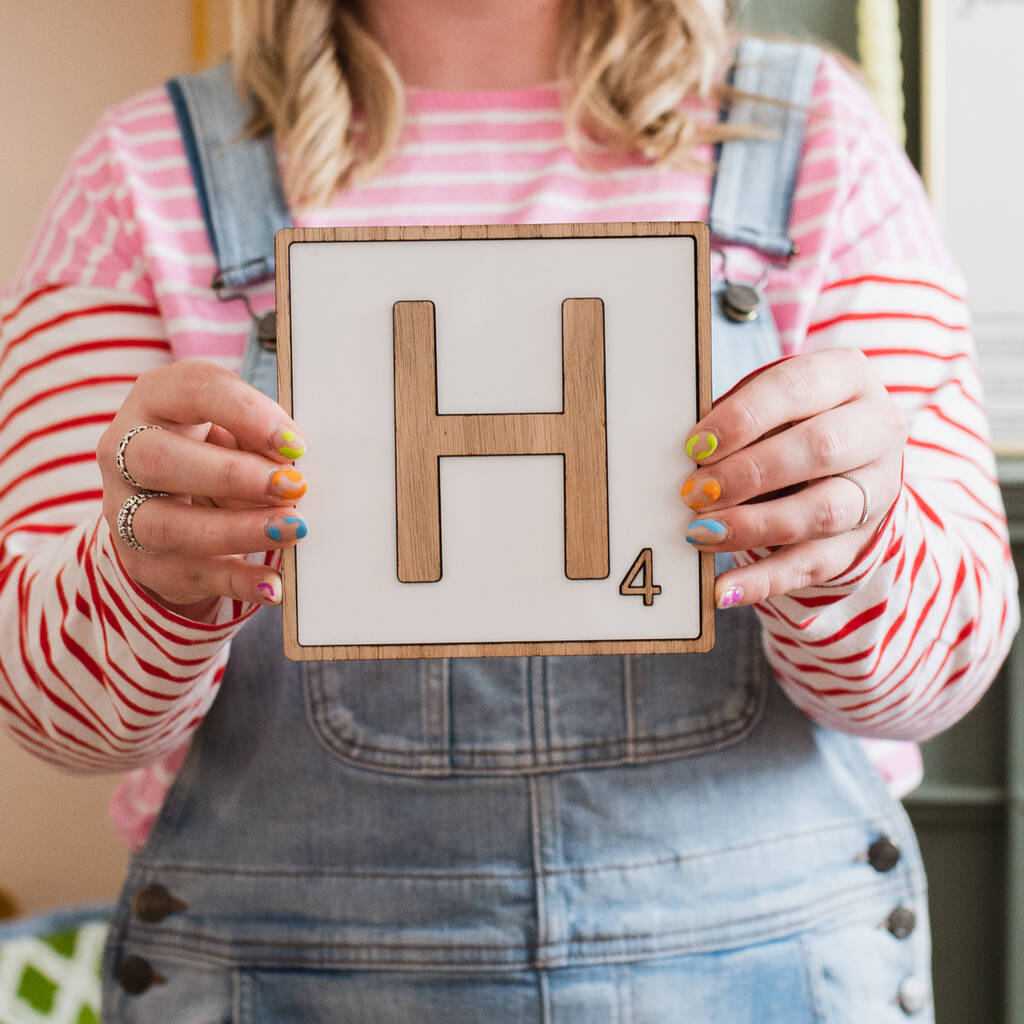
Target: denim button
(266, 330)
(152, 903)
(913, 995)
(901, 922)
(740, 302)
(135, 975)
(883, 854)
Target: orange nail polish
(288, 483)
(713, 489)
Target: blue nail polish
(711, 525)
(274, 533)
(301, 530)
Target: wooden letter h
(577, 433)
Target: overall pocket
(493, 716)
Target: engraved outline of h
(578, 433)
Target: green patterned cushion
(52, 978)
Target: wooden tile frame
(704, 641)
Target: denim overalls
(562, 839)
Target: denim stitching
(538, 873)
(812, 977)
(627, 705)
(544, 992)
(756, 929)
(241, 1004)
(723, 726)
(881, 824)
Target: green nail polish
(708, 443)
(293, 446)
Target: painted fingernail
(287, 528)
(293, 446)
(268, 593)
(701, 445)
(710, 491)
(731, 597)
(288, 483)
(705, 531)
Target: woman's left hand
(769, 457)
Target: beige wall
(62, 62)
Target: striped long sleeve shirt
(96, 675)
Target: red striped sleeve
(94, 674)
(896, 647)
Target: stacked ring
(126, 517)
(122, 448)
(856, 480)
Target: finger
(825, 508)
(167, 526)
(787, 570)
(836, 440)
(221, 437)
(162, 460)
(193, 391)
(789, 391)
(188, 581)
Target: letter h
(578, 433)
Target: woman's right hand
(224, 457)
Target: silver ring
(122, 447)
(864, 492)
(126, 517)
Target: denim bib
(507, 814)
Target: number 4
(644, 565)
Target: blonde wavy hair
(626, 65)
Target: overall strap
(243, 204)
(235, 176)
(752, 195)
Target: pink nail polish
(268, 592)
(731, 597)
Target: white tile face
(499, 350)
